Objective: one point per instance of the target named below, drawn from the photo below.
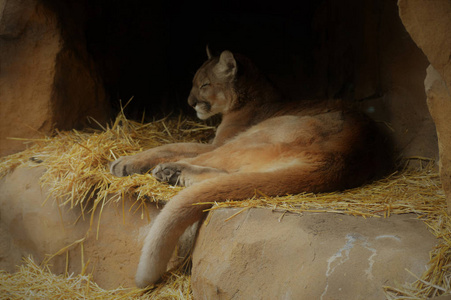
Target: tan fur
(261, 144)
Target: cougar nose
(192, 100)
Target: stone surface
(14, 16)
(260, 254)
(439, 102)
(429, 23)
(27, 227)
(47, 80)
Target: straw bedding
(32, 281)
(77, 172)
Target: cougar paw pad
(167, 173)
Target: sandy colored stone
(429, 24)
(14, 16)
(260, 254)
(45, 82)
(29, 228)
(439, 102)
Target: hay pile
(77, 172)
(77, 162)
(37, 282)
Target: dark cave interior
(149, 50)
(107, 52)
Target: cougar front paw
(126, 165)
(169, 172)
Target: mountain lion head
(212, 92)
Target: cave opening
(99, 54)
(150, 50)
(358, 51)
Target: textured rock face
(45, 81)
(429, 23)
(29, 228)
(439, 102)
(259, 255)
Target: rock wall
(429, 24)
(46, 80)
(369, 58)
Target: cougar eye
(204, 85)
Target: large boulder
(429, 25)
(260, 254)
(47, 79)
(30, 227)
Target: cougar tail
(181, 210)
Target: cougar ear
(226, 66)
(208, 52)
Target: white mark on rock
(342, 255)
(288, 295)
(388, 236)
(369, 271)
